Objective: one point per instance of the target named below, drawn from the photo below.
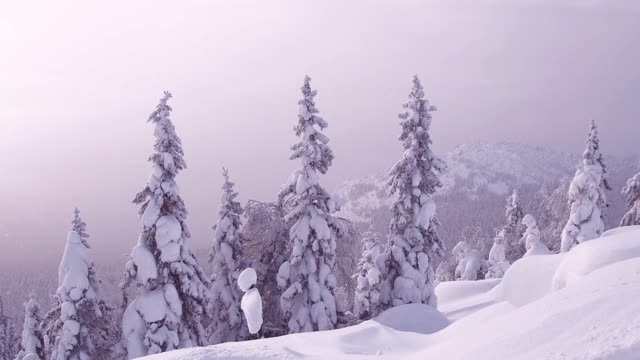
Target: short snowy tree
(251, 301)
(513, 228)
(471, 266)
(82, 328)
(587, 196)
(632, 193)
(8, 336)
(170, 310)
(531, 237)
(406, 262)
(269, 233)
(31, 345)
(497, 263)
(307, 278)
(226, 258)
(367, 298)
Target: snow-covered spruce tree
(31, 345)
(632, 193)
(531, 237)
(170, 310)
(513, 228)
(471, 266)
(367, 298)
(587, 197)
(226, 258)
(80, 227)
(8, 336)
(497, 263)
(307, 278)
(81, 330)
(406, 263)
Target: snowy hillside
(486, 174)
(565, 306)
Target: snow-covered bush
(78, 327)
(170, 310)
(513, 228)
(497, 263)
(226, 258)
(587, 196)
(531, 237)
(31, 346)
(251, 300)
(406, 264)
(631, 192)
(471, 266)
(307, 278)
(367, 296)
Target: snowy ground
(580, 305)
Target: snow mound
(247, 279)
(417, 318)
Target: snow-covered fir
(226, 259)
(631, 192)
(31, 344)
(497, 263)
(587, 196)
(367, 298)
(79, 326)
(307, 278)
(413, 240)
(531, 237)
(170, 310)
(513, 227)
(471, 266)
(251, 303)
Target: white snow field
(583, 304)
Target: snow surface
(576, 305)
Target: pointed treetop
(592, 154)
(80, 227)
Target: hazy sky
(78, 80)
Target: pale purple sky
(79, 79)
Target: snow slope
(578, 305)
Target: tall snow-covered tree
(226, 257)
(406, 264)
(81, 326)
(307, 278)
(31, 345)
(471, 266)
(170, 310)
(513, 228)
(631, 192)
(8, 336)
(367, 298)
(587, 197)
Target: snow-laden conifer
(531, 237)
(170, 310)
(31, 344)
(367, 297)
(307, 278)
(226, 258)
(587, 197)
(81, 327)
(513, 228)
(406, 262)
(471, 266)
(497, 263)
(631, 192)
